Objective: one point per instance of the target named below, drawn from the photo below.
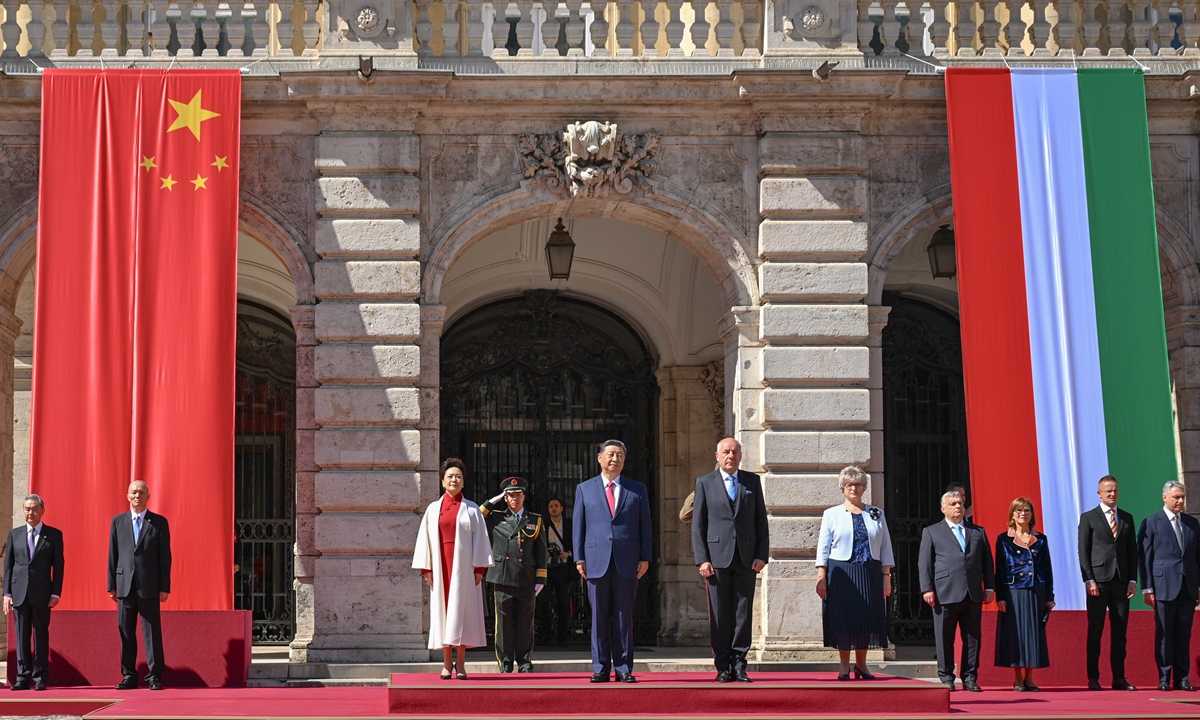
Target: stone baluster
(724, 29)
(1164, 30)
(1068, 28)
(10, 31)
(1015, 31)
(110, 28)
(525, 28)
(939, 29)
(35, 29)
(1139, 29)
(964, 29)
(700, 27)
(500, 28)
(650, 27)
(751, 29)
(550, 28)
(135, 27)
(60, 28)
(1089, 28)
(185, 31)
(916, 27)
(475, 28)
(1039, 31)
(600, 28)
(1189, 31)
(285, 29)
(624, 27)
(206, 33)
(423, 28)
(989, 29)
(235, 29)
(1116, 27)
(889, 31)
(85, 29)
(576, 24)
(674, 28)
(450, 29)
(311, 28)
(865, 26)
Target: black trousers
(1173, 635)
(128, 609)
(967, 617)
(730, 613)
(560, 580)
(1113, 600)
(514, 625)
(32, 663)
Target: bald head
(139, 496)
(729, 455)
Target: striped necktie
(1112, 521)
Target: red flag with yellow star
(136, 309)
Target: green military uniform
(519, 550)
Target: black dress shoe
(725, 676)
(1030, 687)
(972, 686)
(525, 669)
(861, 674)
(947, 683)
(506, 667)
(1184, 685)
(626, 678)
(127, 684)
(155, 683)
(1164, 686)
(1121, 685)
(19, 685)
(39, 685)
(600, 677)
(1095, 685)
(739, 674)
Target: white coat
(836, 539)
(460, 621)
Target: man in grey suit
(731, 543)
(33, 583)
(957, 577)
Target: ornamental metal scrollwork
(589, 159)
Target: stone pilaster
(304, 323)
(814, 408)
(10, 329)
(1183, 349)
(367, 447)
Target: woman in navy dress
(1024, 596)
(854, 566)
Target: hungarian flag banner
(1060, 298)
(136, 311)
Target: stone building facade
(745, 216)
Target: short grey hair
(852, 475)
(1172, 484)
(952, 494)
(735, 442)
(614, 443)
(37, 499)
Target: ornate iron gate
(925, 444)
(530, 387)
(264, 472)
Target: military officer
(519, 549)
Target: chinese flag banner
(136, 310)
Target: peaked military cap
(515, 485)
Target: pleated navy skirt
(853, 613)
(1021, 630)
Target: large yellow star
(147, 163)
(168, 183)
(199, 182)
(190, 115)
(220, 163)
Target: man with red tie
(613, 544)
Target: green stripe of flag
(1135, 375)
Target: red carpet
(670, 694)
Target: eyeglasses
(1023, 511)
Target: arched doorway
(530, 386)
(925, 443)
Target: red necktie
(612, 498)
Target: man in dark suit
(519, 551)
(139, 580)
(613, 545)
(731, 542)
(1170, 569)
(957, 577)
(1108, 561)
(560, 575)
(33, 581)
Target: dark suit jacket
(624, 539)
(149, 560)
(721, 526)
(949, 572)
(1102, 557)
(1163, 567)
(38, 578)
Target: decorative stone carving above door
(590, 159)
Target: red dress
(447, 529)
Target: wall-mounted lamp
(941, 253)
(560, 251)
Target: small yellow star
(220, 163)
(168, 183)
(147, 163)
(190, 115)
(199, 182)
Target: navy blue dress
(854, 616)
(1025, 582)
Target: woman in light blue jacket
(854, 565)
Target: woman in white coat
(453, 552)
(854, 565)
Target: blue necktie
(137, 528)
(731, 486)
(962, 540)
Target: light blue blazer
(836, 540)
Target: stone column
(1183, 349)
(815, 363)
(306, 554)
(691, 421)
(367, 447)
